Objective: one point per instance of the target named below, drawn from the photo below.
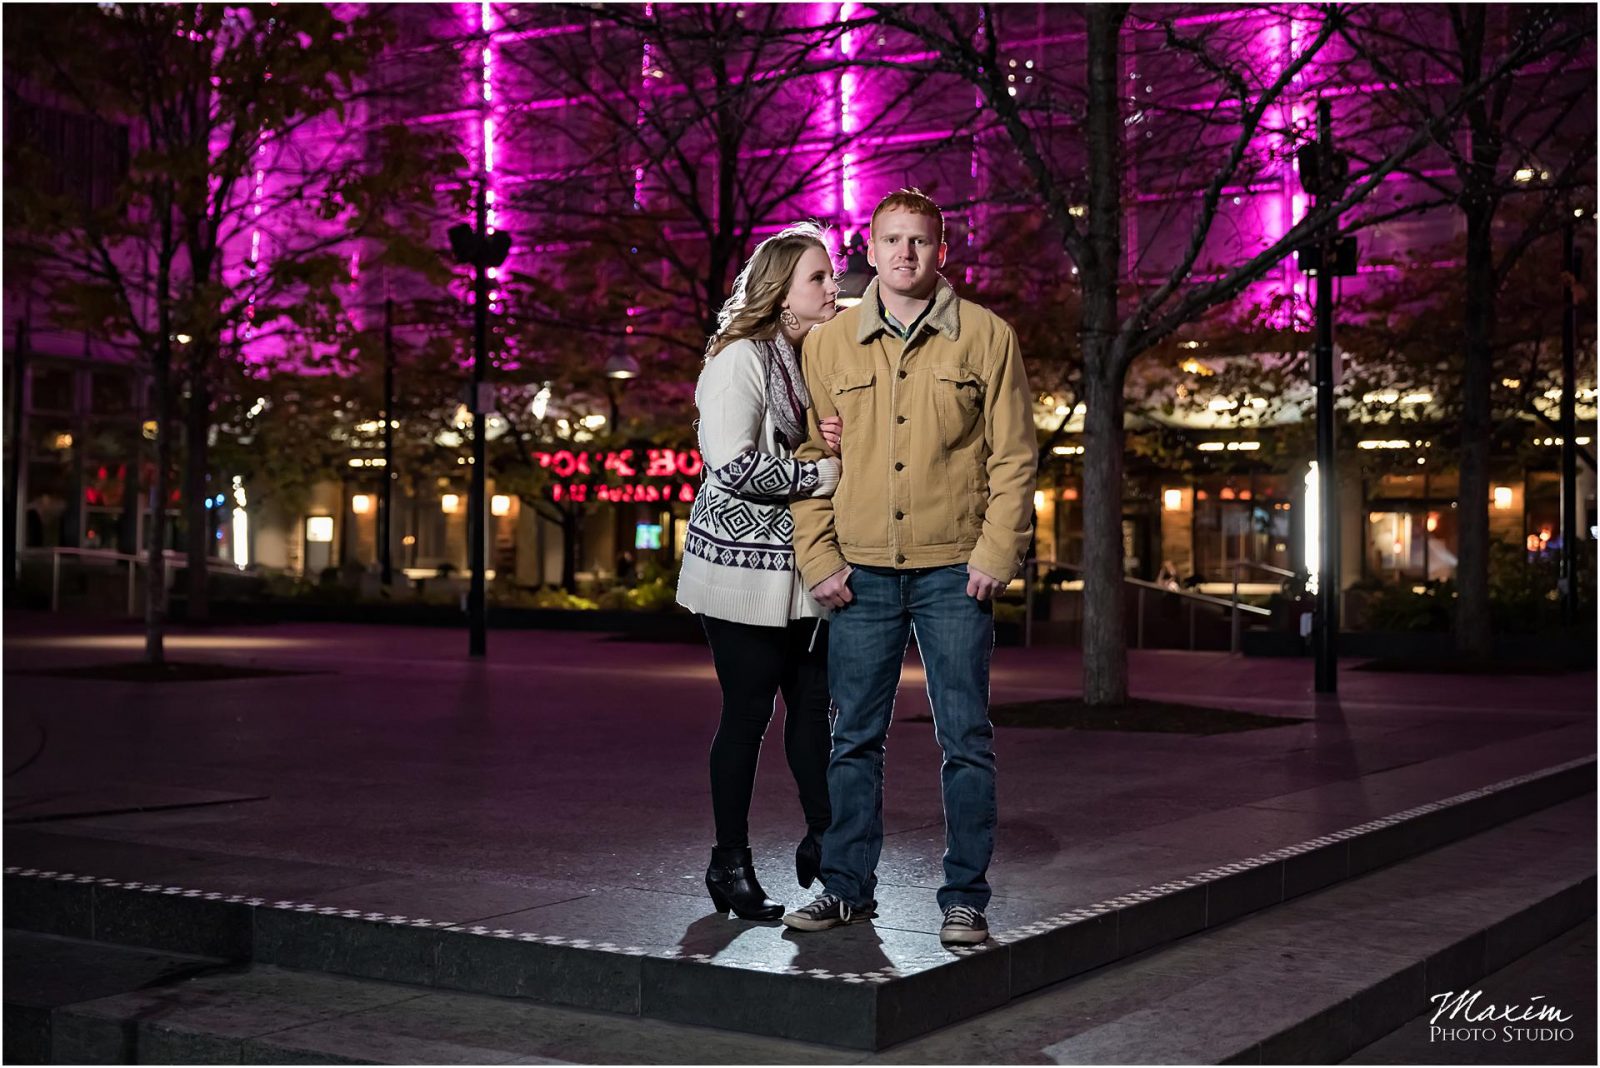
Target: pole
(13, 509)
(476, 602)
(1569, 427)
(386, 498)
(1233, 637)
(1325, 638)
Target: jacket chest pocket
(958, 403)
(852, 396)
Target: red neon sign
(577, 472)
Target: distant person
(1167, 577)
(627, 570)
(767, 633)
(931, 520)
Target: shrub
(552, 597)
(1397, 606)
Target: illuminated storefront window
(1242, 519)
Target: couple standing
(873, 467)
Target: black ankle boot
(808, 858)
(731, 881)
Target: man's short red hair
(913, 200)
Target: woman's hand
(832, 431)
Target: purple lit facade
(493, 71)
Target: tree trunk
(155, 593)
(196, 488)
(571, 538)
(1473, 634)
(1105, 646)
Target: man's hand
(832, 431)
(983, 587)
(834, 591)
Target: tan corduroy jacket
(939, 450)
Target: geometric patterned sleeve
(759, 475)
(732, 399)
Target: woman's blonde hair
(753, 308)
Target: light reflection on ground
(197, 642)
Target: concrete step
(867, 987)
(44, 973)
(1562, 970)
(1318, 978)
(1311, 981)
(261, 1014)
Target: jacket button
(899, 558)
(899, 515)
(899, 466)
(899, 418)
(902, 374)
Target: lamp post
(13, 490)
(1568, 583)
(619, 368)
(475, 246)
(857, 271)
(386, 498)
(1324, 174)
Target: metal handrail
(1271, 569)
(1221, 602)
(1235, 606)
(1237, 566)
(133, 560)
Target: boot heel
(731, 881)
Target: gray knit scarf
(787, 397)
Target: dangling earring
(789, 319)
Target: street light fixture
(857, 272)
(622, 367)
(619, 368)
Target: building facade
(565, 121)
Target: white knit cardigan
(738, 554)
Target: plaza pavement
(559, 786)
(576, 763)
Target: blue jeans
(866, 648)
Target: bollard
(1233, 643)
(1139, 636)
(1027, 604)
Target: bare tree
(1225, 116)
(232, 225)
(1530, 137)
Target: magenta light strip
(257, 196)
(849, 185)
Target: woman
(739, 574)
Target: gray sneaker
(963, 926)
(827, 911)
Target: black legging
(753, 665)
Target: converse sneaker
(963, 925)
(827, 911)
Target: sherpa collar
(944, 316)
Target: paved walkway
(562, 782)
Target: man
(930, 521)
